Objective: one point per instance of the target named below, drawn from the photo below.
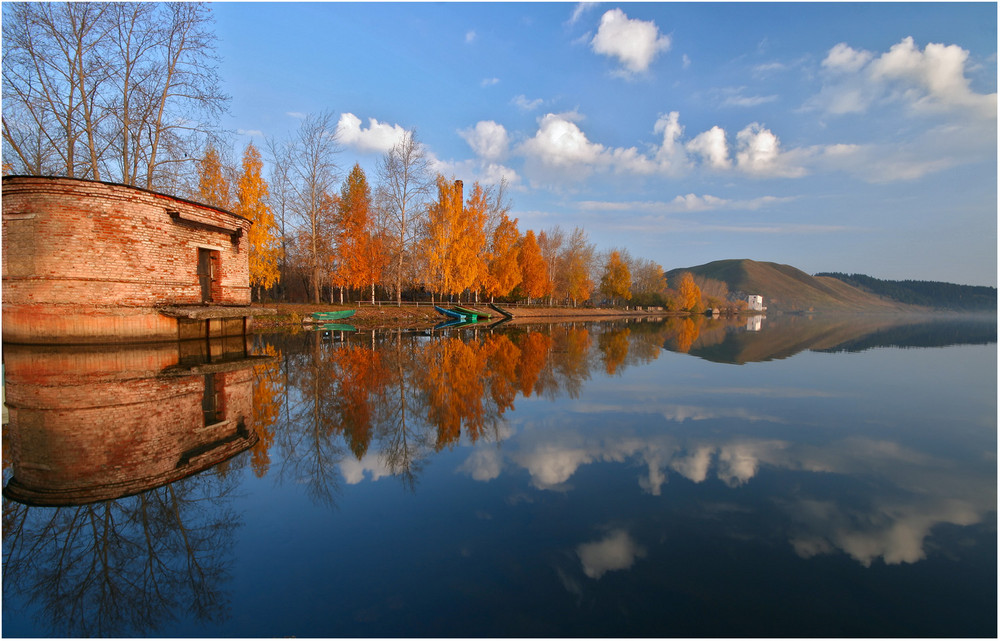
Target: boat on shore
(474, 313)
(450, 313)
(327, 317)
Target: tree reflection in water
(389, 400)
(123, 567)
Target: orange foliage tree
(442, 224)
(361, 244)
(535, 280)
(251, 203)
(504, 271)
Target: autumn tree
(648, 282)
(689, 293)
(213, 182)
(577, 262)
(360, 241)
(535, 281)
(469, 250)
(504, 271)
(616, 282)
(403, 184)
(252, 198)
(441, 237)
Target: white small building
(755, 303)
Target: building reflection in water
(139, 423)
(110, 440)
(99, 423)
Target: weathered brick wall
(87, 426)
(69, 241)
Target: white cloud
(580, 9)
(843, 58)
(561, 147)
(250, 132)
(670, 154)
(560, 143)
(470, 36)
(929, 80)
(296, 114)
(758, 152)
(634, 43)
(378, 137)
(711, 146)
(488, 140)
(616, 551)
(489, 82)
(683, 203)
(528, 105)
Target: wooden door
(205, 274)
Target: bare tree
(314, 177)
(404, 182)
(119, 91)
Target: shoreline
(368, 316)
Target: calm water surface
(770, 477)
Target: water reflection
(538, 412)
(115, 437)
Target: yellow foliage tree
(616, 282)
(213, 186)
(689, 293)
(504, 271)
(440, 237)
(251, 203)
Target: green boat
(326, 317)
(471, 312)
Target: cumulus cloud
(616, 551)
(711, 147)
(932, 79)
(488, 139)
(561, 147)
(670, 155)
(758, 152)
(379, 137)
(634, 43)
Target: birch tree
(109, 91)
(404, 183)
(314, 176)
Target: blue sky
(831, 137)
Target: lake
(787, 476)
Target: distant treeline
(925, 293)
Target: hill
(788, 289)
(933, 294)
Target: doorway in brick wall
(207, 268)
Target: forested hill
(924, 293)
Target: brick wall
(67, 240)
(89, 252)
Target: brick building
(95, 262)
